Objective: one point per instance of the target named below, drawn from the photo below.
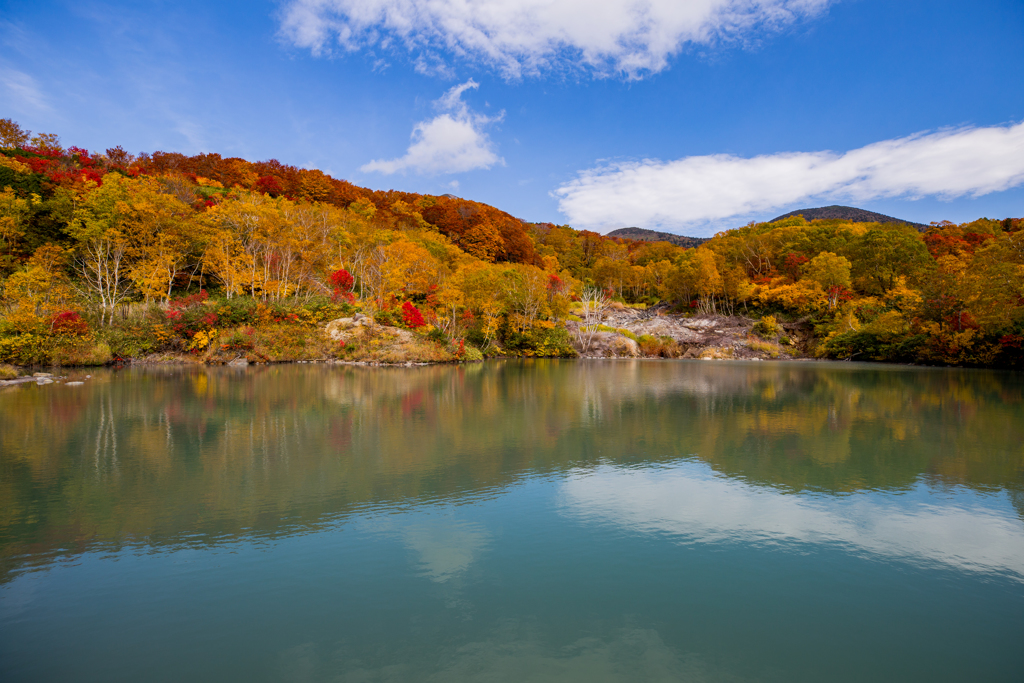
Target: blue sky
(688, 116)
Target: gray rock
(343, 328)
(611, 345)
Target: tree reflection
(161, 456)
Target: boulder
(612, 345)
(344, 329)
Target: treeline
(106, 255)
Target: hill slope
(644, 235)
(847, 213)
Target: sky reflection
(690, 502)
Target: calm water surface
(534, 521)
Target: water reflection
(517, 651)
(444, 548)
(165, 457)
(691, 504)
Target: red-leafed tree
(343, 282)
(411, 316)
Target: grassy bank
(214, 330)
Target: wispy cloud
(454, 141)
(706, 189)
(633, 37)
(22, 90)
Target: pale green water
(544, 521)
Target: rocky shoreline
(707, 337)
(621, 333)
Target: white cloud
(526, 36)
(706, 189)
(454, 141)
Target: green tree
(883, 254)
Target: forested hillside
(846, 213)
(645, 235)
(109, 255)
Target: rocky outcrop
(348, 329)
(698, 336)
(609, 345)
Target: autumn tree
(524, 290)
(15, 212)
(41, 288)
(482, 287)
(832, 273)
(47, 142)
(885, 253)
(12, 135)
(165, 238)
(708, 281)
(102, 226)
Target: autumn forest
(111, 256)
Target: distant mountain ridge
(847, 213)
(645, 235)
(834, 212)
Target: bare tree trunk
(595, 303)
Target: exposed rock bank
(682, 336)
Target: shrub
(201, 340)
(189, 300)
(27, 348)
(867, 346)
(323, 310)
(70, 324)
(411, 316)
(236, 311)
(660, 347)
(539, 341)
(471, 353)
(132, 341)
(718, 352)
(767, 327)
(765, 347)
(342, 280)
(8, 372)
(240, 339)
(83, 354)
(477, 338)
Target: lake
(514, 521)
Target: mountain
(847, 213)
(644, 235)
